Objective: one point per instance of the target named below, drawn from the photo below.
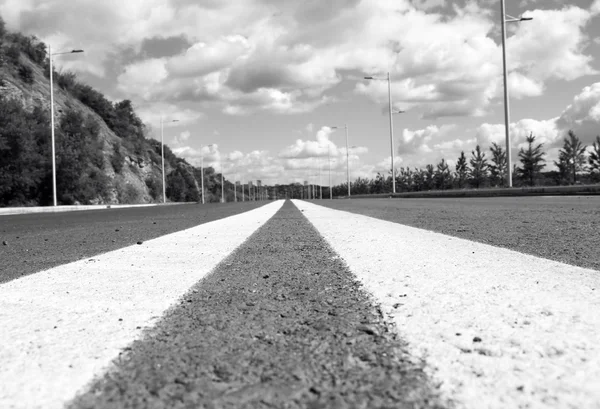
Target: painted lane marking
(62, 327)
(538, 320)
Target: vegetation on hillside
(83, 174)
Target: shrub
(26, 74)
(128, 194)
(13, 53)
(154, 187)
(66, 80)
(117, 159)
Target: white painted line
(61, 327)
(539, 320)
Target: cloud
(202, 58)
(287, 57)
(428, 4)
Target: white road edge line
(538, 320)
(62, 327)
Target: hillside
(103, 153)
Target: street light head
(526, 18)
(175, 120)
(76, 51)
(369, 78)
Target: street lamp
(202, 168)
(329, 160)
(391, 112)
(347, 157)
(52, 118)
(510, 19)
(162, 155)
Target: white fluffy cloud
(286, 56)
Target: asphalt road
(36, 242)
(561, 228)
(280, 323)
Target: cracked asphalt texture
(565, 228)
(280, 323)
(35, 242)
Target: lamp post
(162, 155)
(50, 55)
(511, 19)
(320, 181)
(222, 187)
(389, 81)
(347, 157)
(202, 168)
(329, 160)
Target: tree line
(488, 169)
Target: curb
(6, 211)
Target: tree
(443, 176)
(462, 170)
(573, 155)
(24, 154)
(429, 177)
(405, 179)
(2, 28)
(562, 176)
(532, 161)
(419, 179)
(479, 167)
(498, 165)
(594, 160)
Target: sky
(257, 86)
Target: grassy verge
(491, 192)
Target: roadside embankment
(578, 190)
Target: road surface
(299, 305)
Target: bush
(31, 46)
(97, 102)
(117, 159)
(154, 187)
(13, 53)
(26, 74)
(128, 194)
(66, 80)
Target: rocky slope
(133, 172)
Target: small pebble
(5, 243)
(476, 339)
(140, 242)
(116, 229)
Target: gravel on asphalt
(36, 242)
(280, 323)
(565, 229)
